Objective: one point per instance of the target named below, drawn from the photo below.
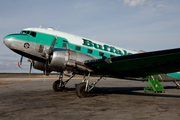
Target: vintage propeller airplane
(50, 50)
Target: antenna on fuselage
(93, 37)
(41, 26)
(58, 27)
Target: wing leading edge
(138, 65)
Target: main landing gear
(83, 89)
(59, 85)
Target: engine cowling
(41, 66)
(65, 60)
(59, 60)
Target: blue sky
(147, 25)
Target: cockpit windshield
(25, 32)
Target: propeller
(21, 60)
(31, 64)
(49, 52)
(52, 46)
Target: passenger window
(90, 51)
(78, 48)
(64, 44)
(33, 34)
(101, 54)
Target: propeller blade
(52, 46)
(48, 53)
(19, 65)
(45, 71)
(21, 60)
(31, 64)
(46, 65)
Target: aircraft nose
(7, 42)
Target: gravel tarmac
(112, 99)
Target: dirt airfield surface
(112, 99)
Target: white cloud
(154, 9)
(147, 3)
(161, 5)
(83, 5)
(134, 3)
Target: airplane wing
(138, 65)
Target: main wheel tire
(56, 86)
(80, 90)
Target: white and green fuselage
(35, 41)
(76, 43)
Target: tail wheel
(56, 86)
(80, 90)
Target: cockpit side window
(25, 32)
(33, 34)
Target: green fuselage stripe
(46, 39)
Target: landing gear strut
(177, 84)
(83, 89)
(59, 85)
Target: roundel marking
(26, 45)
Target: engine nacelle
(38, 65)
(41, 66)
(68, 60)
(65, 60)
(59, 60)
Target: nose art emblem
(26, 45)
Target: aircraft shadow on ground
(100, 91)
(139, 91)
